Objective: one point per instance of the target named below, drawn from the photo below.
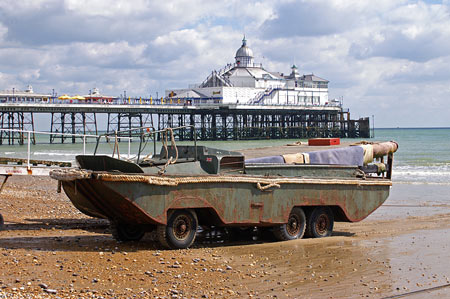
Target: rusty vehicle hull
(232, 203)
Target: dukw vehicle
(182, 187)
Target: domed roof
(244, 51)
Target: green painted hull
(225, 203)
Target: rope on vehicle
(264, 188)
(261, 183)
(360, 174)
(116, 146)
(170, 160)
(71, 174)
(264, 183)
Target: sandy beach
(49, 249)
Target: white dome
(244, 55)
(244, 51)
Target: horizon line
(382, 128)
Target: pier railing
(170, 101)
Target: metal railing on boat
(142, 132)
(28, 166)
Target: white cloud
(106, 8)
(21, 7)
(110, 55)
(417, 32)
(3, 32)
(388, 58)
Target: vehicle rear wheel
(294, 228)
(2, 222)
(126, 232)
(179, 233)
(320, 222)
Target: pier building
(27, 95)
(246, 82)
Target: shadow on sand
(103, 241)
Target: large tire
(294, 229)
(179, 233)
(126, 232)
(320, 222)
(2, 222)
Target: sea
(421, 171)
(423, 155)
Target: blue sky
(390, 59)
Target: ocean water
(423, 156)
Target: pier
(211, 121)
(240, 101)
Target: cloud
(55, 27)
(24, 7)
(102, 8)
(417, 32)
(3, 32)
(118, 55)
(60, 22)
(392, 57)
(319, 17)
(387, 58)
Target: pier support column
(81, 123)
(223, 123)
(214, 127)
(14, 124)
(128, 121)
(192, 123)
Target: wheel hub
(293, 227)
(181, 227)
(322, 224)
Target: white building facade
(27, 95)
(245, 82)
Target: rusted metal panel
(234, 203)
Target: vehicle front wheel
(179, 233)
(320, 222)
(126, 232)
(294, 228)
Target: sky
(389, 59)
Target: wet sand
(49, 249)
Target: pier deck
(210, 121)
